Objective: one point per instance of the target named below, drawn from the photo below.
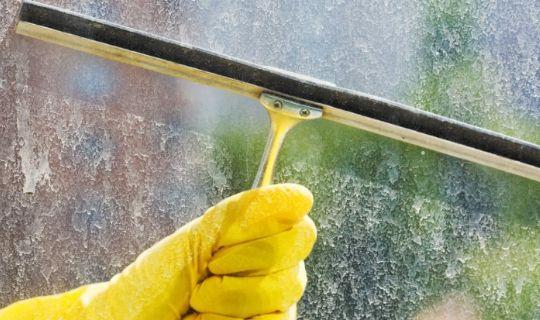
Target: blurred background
(99, 160)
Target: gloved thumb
(259, 213)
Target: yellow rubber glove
(243, 259)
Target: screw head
(304, 112)
(278, 104)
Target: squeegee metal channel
(348, 107)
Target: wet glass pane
(99, 160)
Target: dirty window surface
(99, 160)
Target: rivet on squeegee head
(363, 111)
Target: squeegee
(281, 90)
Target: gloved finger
(246, 297)
(262, 212)
(288, 315)
(266, 255)
(208, 316)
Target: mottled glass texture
(99, 160)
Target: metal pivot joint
(284, 114)
(289, 108)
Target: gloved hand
(241, 260)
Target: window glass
(99, 160)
